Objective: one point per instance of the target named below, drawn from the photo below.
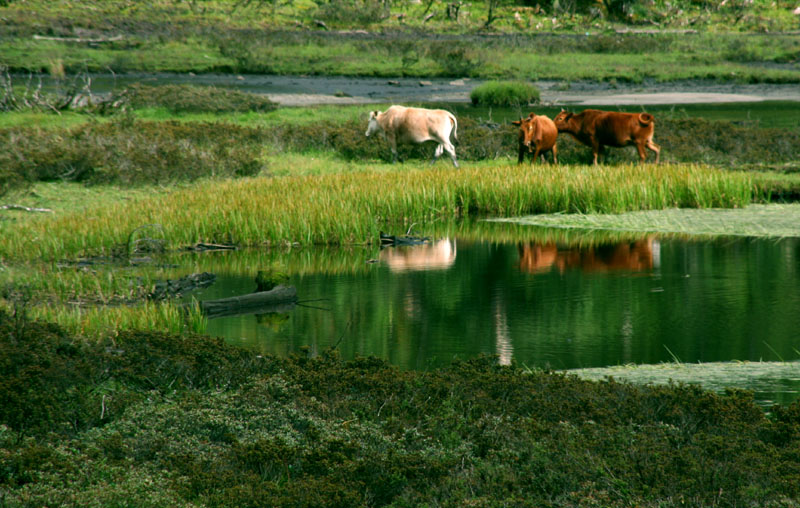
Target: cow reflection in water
(634, 256)
(437, 255)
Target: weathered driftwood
(204, 246)
(25, 208)
(78, 39)
(177, 287)
(279, 299)
(387, 240)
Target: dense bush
(194, 99)
(129, 152)
(195, 422)
(353, 12)
(504, 93)
(50, 382)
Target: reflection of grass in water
(764, 377)
(754, 220)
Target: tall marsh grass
(351, 208)
(98, 322)
(504, 93)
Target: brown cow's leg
(596, 148)
(654, 147)
(642, 153)
(521, 157)
(536, 155)
(555, 157)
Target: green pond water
(540, 303)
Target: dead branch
(25, 208)
(78, 39)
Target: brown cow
(606, 128)
(416, 125)
(540, 132)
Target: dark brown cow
(606, 128)
(539, 132)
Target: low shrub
(202, 423)
(129, 152)
(504, 93)
(51, 382)
(193, 99)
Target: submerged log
(278, 299)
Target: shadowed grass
(352, 207)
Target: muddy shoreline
(317, 90)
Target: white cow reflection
(438, 255)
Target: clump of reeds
(504, 93)
(352, 207)
(193, 99)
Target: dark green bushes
(215, 425)
(50, 382)
(128, 152)
(194, 99)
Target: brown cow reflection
(634, 256)
(437, 255)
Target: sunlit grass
(346, 208)
(96, 322)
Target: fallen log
(78, 39)
(25, 208)
(278, 299)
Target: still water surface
(538, 304)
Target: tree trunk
(278, 299)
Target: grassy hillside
(627, 39)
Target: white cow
(415, 125)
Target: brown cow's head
(562, 120)
(526, 130)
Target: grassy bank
(352, 207)
(150, 419)
(152, 145)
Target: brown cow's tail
(646, 119)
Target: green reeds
(352, 208)
(97, 322)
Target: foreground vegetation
(148, 419)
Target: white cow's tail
(455, 126)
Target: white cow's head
(373, 126)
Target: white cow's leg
(437, 153)
(393, 145)
(451, 150)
